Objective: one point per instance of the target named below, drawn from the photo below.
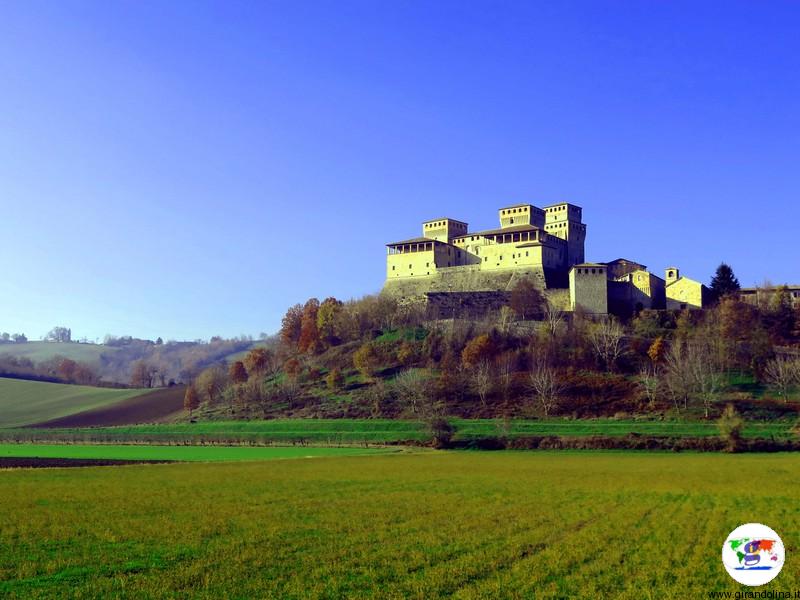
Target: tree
(413, 390)
(406, 354)
(650, 384)
(781, 374)
(679, 376)
(237, 373)
(479, 349)
(66, 369)
(441, 431)
(781, 315)
(327, 320)
(335, 380)
(290, 325)
(546, 386)
(730, 426)
(210, 383)
(606, 339)
(293, 368)
(481, 381)
(657, 351)
(258, 361)
(309, 340)
(723, 283)
(142, 374)
(59, 334)
(526, 300)
(190, 399)
(159, 341)
(553, 318)
(366, 360)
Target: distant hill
(27, 402)
(42, 351)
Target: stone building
(684, 293)
(588, 288)
(454, 269)
(763, 296)
(540, 244)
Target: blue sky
(186, 169)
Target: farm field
(377, 431)
(419, 525)
(42, 351)
(176, 453)
(27, 402)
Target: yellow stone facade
(682, 292)
(529, 239)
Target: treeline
(379, 357)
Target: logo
(753, 554)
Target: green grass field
(425, 525)
(377, 431)
(26, 402)
(178, 453)
(41, 351)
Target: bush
(442, 432)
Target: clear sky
(186, 169)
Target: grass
(426, 525)
(179, 453)
(378, 431)
(26, 402)
(42, 351)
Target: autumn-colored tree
(335, 380)
(290, 325)
(366, 360)
(237, 373)
(526, 300)
(406, 354)
(211, 383)
(142, 374)
(292, 368)
(327, 320)
(657, 351)
(478, 350)
(66, 369)
(257, 361)
(190, 399)
(309, 334)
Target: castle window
(409, 266)
(485, 259)
(526, 253)
(392, 267)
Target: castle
(448, 264)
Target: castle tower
(444, 229)
(521, 214)
(672, 274)
(564, 221)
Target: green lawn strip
(378, 431)
(177, 453)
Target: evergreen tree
(723, 283)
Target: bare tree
(607, 341)
(707, 373)
(413, 390)
(678, 377)
(650, 384)
(505, 374)
(553, 318)
(781, 373)
(481, 380)
(546, 386)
